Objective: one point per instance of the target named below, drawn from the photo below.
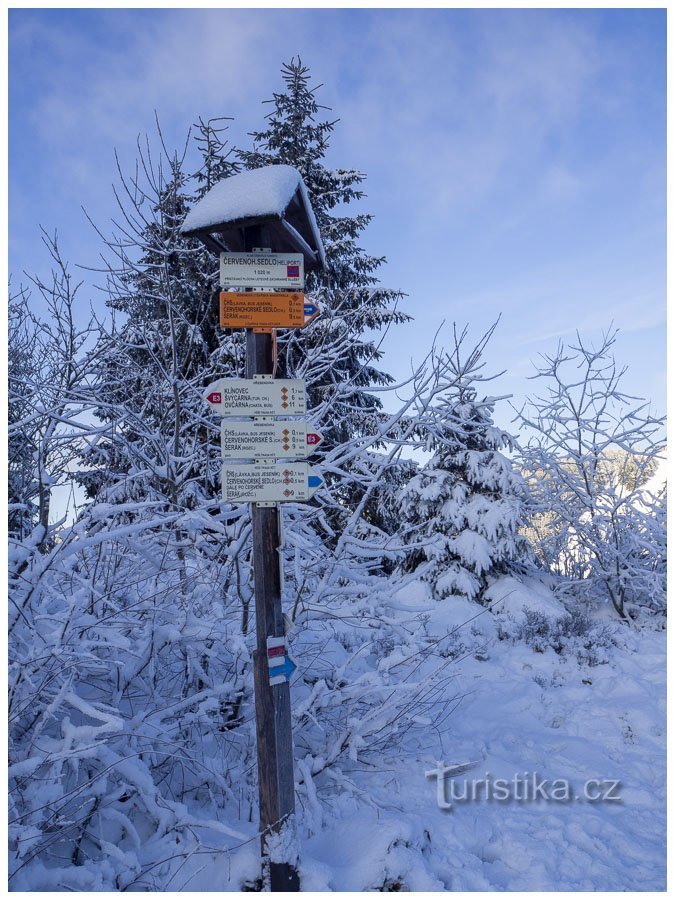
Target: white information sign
(259, 269)
(251, 440)
(269, 482)
(246, 397)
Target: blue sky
(515, 158)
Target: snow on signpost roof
(248, 195)
(256, 194)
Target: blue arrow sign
(314, 481)
(282, 673)
(311, 309)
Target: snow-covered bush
(572, 633)
(540, 631)
(590, 452)
(48, 397)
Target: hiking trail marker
(279, 663)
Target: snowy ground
(578, 715)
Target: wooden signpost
(268, 435)
(262, 480)
(274, 736)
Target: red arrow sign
(215, 397)
(313, 438)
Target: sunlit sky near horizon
(515, 158)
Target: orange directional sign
(265, 309)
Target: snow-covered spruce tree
(355, 309)
(165, 345)
(22, 364)
(464, 506)
(168, 344)
(590, 452)
(352, 302)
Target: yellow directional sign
(265, 309)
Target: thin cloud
(515, 158)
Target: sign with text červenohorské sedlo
(270, 270)
(253, 440)
(269, 482)
(266, 309)
(252, 397)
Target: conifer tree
(338, 354)
(168, 344)
(354, 307)
(464, 505)
(21, 446)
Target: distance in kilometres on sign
(270, 270)
(251, 440)
(269, 482)
(246, 397)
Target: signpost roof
(275, 196)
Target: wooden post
(276, 787)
